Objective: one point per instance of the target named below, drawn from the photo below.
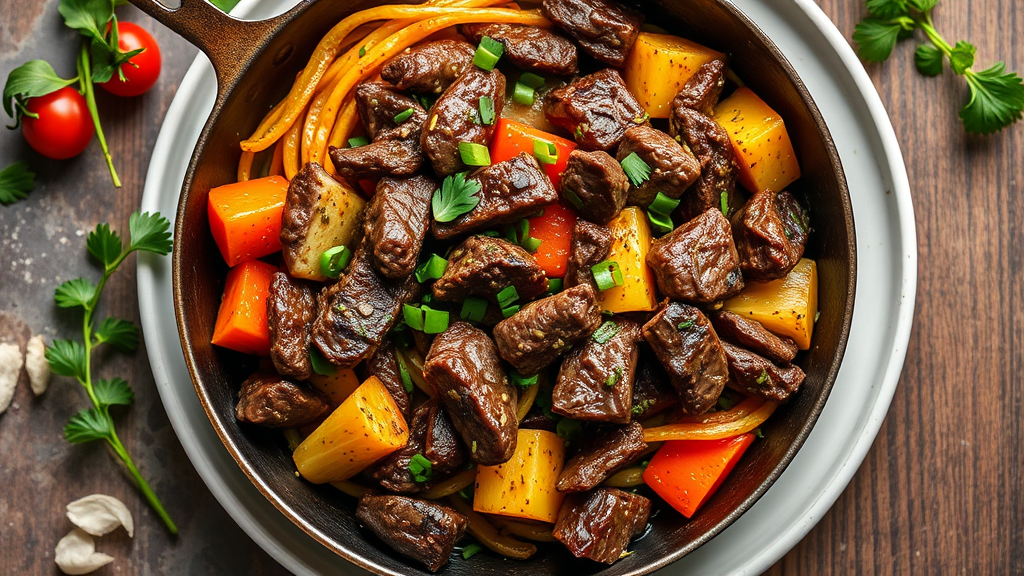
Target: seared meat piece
(291, 306)
(701, 91)
(770, 233)
(532, 338)
(599, 525)
(270, 400)
(355, 314)
(652, 392)
(463, 366)
(601, 457)
(529, 47)
(753, 336)
(396, 222)
(710, 143)
(380, 158)
(431, 435)
(605, 29)
(425, 531)
(673, 168)
(697, 262)
(590, 245)
(442, 445)
(595, 184)
(395, 150)
(597, 109)
(384, 365)
(429, 67)
(536, 420)
(754, 374)
(378, 104)
(595, 381)
(483, 266)
(509, 191)
(689, 350)
(454, 118)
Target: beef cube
(600, 524)
(689, 350)
(270, 400)
(430, 67)
(753, 336)
(396, 221)
(770, 233)
(595, 381)
(591, 243)
(536, 420)
(463, 366)
(291, 307)
(753, 374)
(454, 118)
(652, 392)
(601, 457)
(701, 91)
(383, 364)
(605, 29)
(509, 191)
(442, 445)
(483, 266)
(425, 531)
(378, 159)
(430, 435)
(673, 168)
(378, 104)
(529, 48)
(710, 143)
(594, 183)
(697, 262)
(597, 109)
(532, 338)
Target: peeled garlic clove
(99, 514)
(10, 368)
(76, 554)
(36, 365)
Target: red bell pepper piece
(685, 473)
(511, 138)
(554, 230)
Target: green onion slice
(636, 169)
(532, 80)
(404, 115)
(661, 224)
(432, 269)
(434, 321)
(607, 274)
(663, 205)
(572, 198)
(413, 316)
(474, 154)
(473, 309)
(522, 94)
(486, 111)
(523, 381)
(334, 260)
(471, 550)
(488, 52)
(508, 296)
(544, 151)
(420, 468)
(531, 244)
(320, 364)
(605, 332)
(509, 311)
(724, 198)
(555, 285)
(362, 51)
(403, 372)
(358, 141)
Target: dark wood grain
(939, 493)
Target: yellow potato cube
(786, 306)
(759, 137)
(630, 244)
(659, 65)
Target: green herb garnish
(455, 197)
(636, 169)
(486, 110)
(471, 550)
(16, 181)
(404, 115)
(605, 332)
(420, 468)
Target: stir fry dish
(517, 275)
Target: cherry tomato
(64, 127)
(140, 77)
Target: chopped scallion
(474, 154)
(607, 274)
(471, 550)
(663, 204)
(555, 285)
(522, 94)
(545, 152)
(413, 316)
(434, 321)
(614, 377)
(404, 115)
(523, 381)
(432, 269)
(685, 325)
(508, 295)
(531, 244)
(403, 373)
(532, 80)
(358, 141)
(661, 224)
(636, 169)
(334, 260)
(605, 332)
(488, 53)
(509, 311)
(362, 51)
(473, 309)
(724, 198)
(320, 364)
(486, 110)
(420, 468)
(572, 198)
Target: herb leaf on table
(16, 181)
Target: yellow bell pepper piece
(631, 242)
(337, 387)
(759, 137)
(524, 487)
(786, 306)
(659, 65)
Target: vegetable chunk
(786, 307)
(524, 487)
(245, 218)
(759, 137)
(242, 319)
(659, 66)
(632, 242)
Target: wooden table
(939, 493)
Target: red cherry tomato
(64, 126)
(140, 77)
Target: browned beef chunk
(291, 306)
(378, 104)
(770, 233)
(396, 222)
(601, 457)
(710, 143)
(429, 67)
(536, 420)
(509, 191)
(483, 266)
(755, 374)
(673, 168)
(377, 159)
(313, 200)
(597, 109)
(652, 392)
(442, 446)
(702, 90)
(529, 47)
(425, 531)
(455, 117)
(605, 29)
(270, 400)
(430, 435)
(355, 314)
(600, 524)
(384, 365)
(689, 350)
(532, 338)
(590, 245)
(463, 366)
(595, 381)
(697, 262)
(594, 183)
(753, 336)
(395, 150)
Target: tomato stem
(89, 91)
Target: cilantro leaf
(77, 292)
(923, 5)
(16, 181)
(89, 17)
(120, 334)
(104, 245)
(928, 59)
(997, 100)
(87, 425)
(876, 38)
(67, 358)
(31, 79)
(455, 197)
(113, 392)
(888, 8)
(961, 58)
(149, 233)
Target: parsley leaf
(961, 58)
(876, 38)
(887, 8)
(455, 197)
(928, 60)
(31, 79)
(923, 5)
(120, 334)
(87, 425)
(67, 358)
(113, 392)
(16, 181)
(104, 245)
(77, 292)
(997, 100)
(149, 233)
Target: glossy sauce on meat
(396, 221)
(712, 147)
(384, 365)
(482, 266)
(454, 118)
(697, 262)
(770, 233)
(595, 382)
(600, 524)
(601, 457)
(529, 48)
(673, 168)
(652, 392)
(378, 105)
(701, 91)
(594, 183)
(377, 159)
(605, 29)
(431, 435)
(753, 336)
(429, 67)
(291, 307)
(757, 375)
(597, 110)
(425, 531)
(589, 246)
(270, 400)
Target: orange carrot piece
(245, 218)
(242, 319)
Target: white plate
(886, 280)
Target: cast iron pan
(255, 64)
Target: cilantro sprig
(996, 96)
(16, 181)
(147, 233)
(455, 197)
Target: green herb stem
(151, 497)
(89, 91)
